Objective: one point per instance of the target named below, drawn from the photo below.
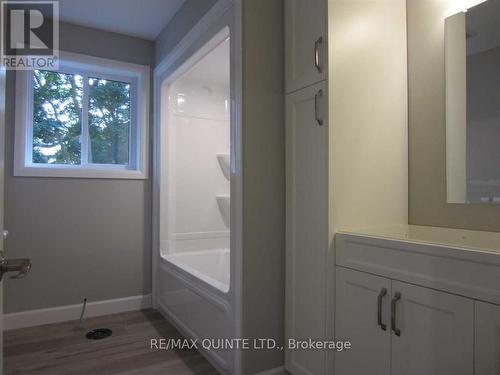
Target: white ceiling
(140, 18)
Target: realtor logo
(30, 34)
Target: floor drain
(99, 334)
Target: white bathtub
(211, 266)
(192, 289)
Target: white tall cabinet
(307, 163)
(305, 43)
(306, 226)
(346, 150)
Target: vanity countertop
(462, 262)
(469, 240)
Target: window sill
(77, 172)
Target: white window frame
(139, 78)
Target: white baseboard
(72, 312)
(273, 371)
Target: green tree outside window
(57, 119)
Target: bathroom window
(88, 119)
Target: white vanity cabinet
(433, 332)
(402, 329)
(305, 43)
(442, 307)
(362, 317)
(487, 339)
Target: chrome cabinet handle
(21, 266)
(381, 295)
(319, 120)
(317, 62)
(395, 299)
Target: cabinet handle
(317, 62)
(381, 295)
(395, 299)
(319, 120)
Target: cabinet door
(305, 42)
(360, 297)
(487, 348)
(306, 225)
(436, 332)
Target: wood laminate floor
(62, 349)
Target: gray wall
(483, 123)
(86, 237)
(427, 126)
(186, 17)
(263, 180)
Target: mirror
(472, 58)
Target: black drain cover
(99, 334)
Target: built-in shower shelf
(224, 203)
(224, 162)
